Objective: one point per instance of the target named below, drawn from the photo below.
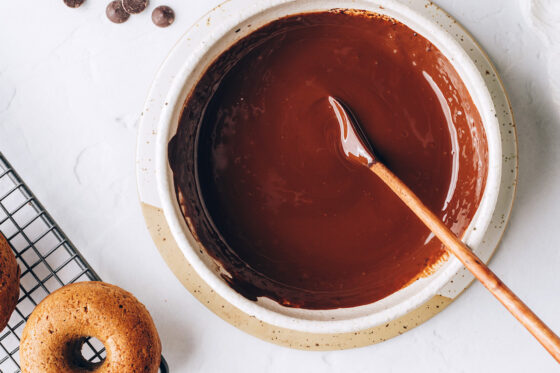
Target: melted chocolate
(265, 186)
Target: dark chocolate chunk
(134, 6)
(163, 16)
(115, 12)
(74, 3)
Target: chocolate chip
(163, 16)
(134, 6)
(74, 3)
(115, 12)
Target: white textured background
(72, 86)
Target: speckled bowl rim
(350, 319)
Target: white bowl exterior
(249, 15)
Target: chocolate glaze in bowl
(260, 179)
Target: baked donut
(57, 329)
(9, 282)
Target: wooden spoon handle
(454, 245)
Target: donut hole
(87, 353)
(93, 350)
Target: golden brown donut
(57, 329)
(9, 282)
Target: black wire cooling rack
(47, 258)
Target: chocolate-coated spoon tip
(355, 144)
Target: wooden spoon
(357, 148)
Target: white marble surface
(72, 86)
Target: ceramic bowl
(246, 16)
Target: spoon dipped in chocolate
(358, 149)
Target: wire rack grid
(47, 258)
